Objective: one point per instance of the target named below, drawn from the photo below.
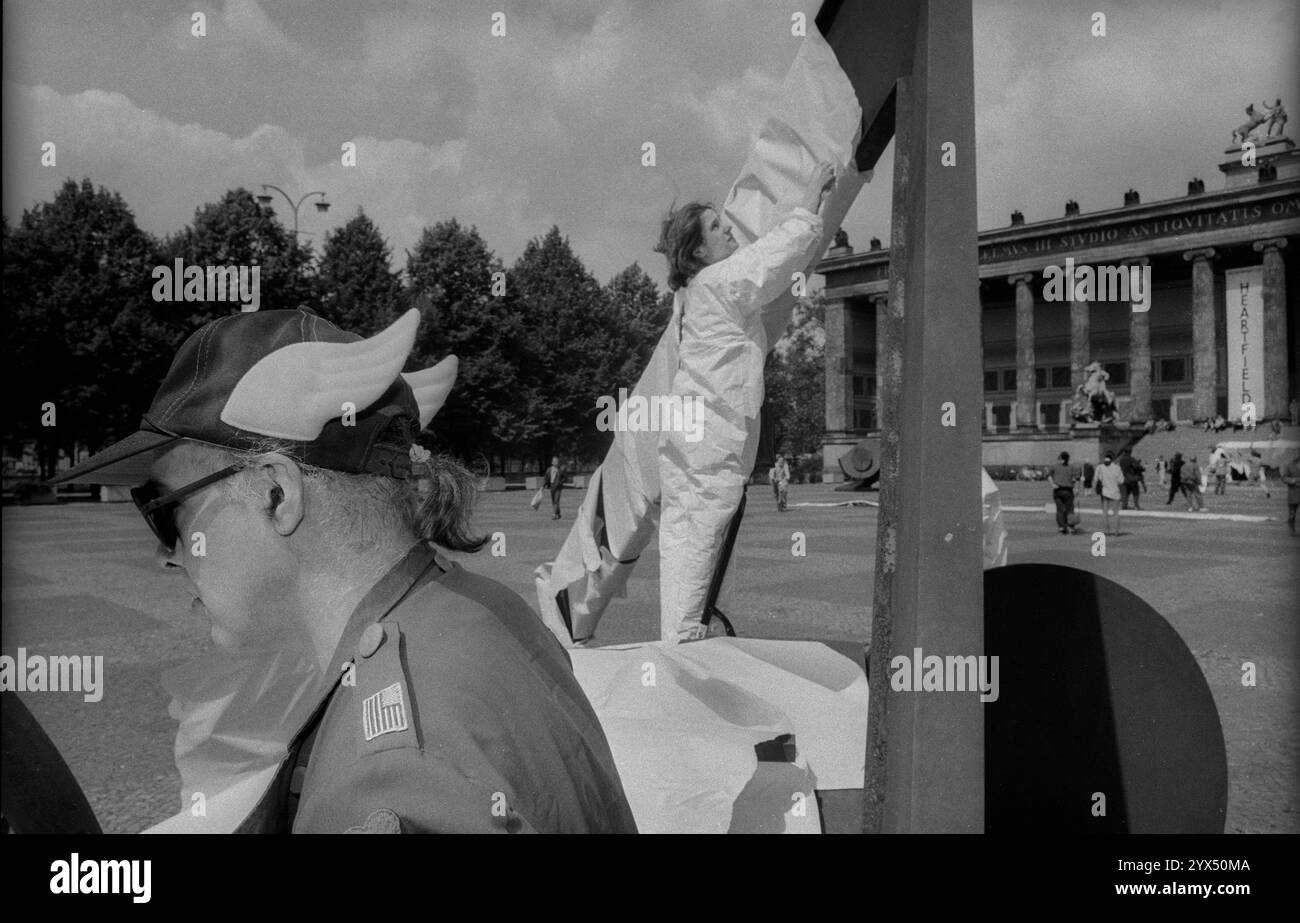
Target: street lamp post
(265, 199)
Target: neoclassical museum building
(1219, 334)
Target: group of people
(1119, 480)
(1186, 477)
(1219, 423)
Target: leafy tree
(576, 346)
(636, 304)
(359, 291)
(83, 331)
(237, 231)
(451, 276)
(795, 380)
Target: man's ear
(281, 491)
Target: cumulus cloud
(165, 170)
(546, 124)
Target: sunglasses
(159, 511)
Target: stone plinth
(1280, 153)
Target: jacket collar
(382, 599)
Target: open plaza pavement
(80, 578)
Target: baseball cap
(340, 401)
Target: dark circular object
(1101, 707)
(40, 794)
(859, 463)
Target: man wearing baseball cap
(277, 466)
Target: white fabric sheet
(682, 721)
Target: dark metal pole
(889, 356)
(933, 741)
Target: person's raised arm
(759, 273)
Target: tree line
(85, 334)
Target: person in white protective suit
(729, 308)
(721, 344)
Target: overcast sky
(545, 125)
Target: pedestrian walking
(1110, 484)
(1063, 478)
(1291, 478)
(1175, 477)
(1132, 469)
(1125, 462)
(1134, 483)
(1162, 470)
(1190, 478)
(1221, 475)
(555, 484)
(781, 472)
(1257, 473)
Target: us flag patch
(383, 712)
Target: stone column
(1139, 353)
(1026, 385)
(880, 305)
(1080, 337)
(1277, 390)
(839, 355)
(1205, 385)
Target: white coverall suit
(723, 323)
(720, 358)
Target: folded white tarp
(683, 719)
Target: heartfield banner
(1244, 303)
